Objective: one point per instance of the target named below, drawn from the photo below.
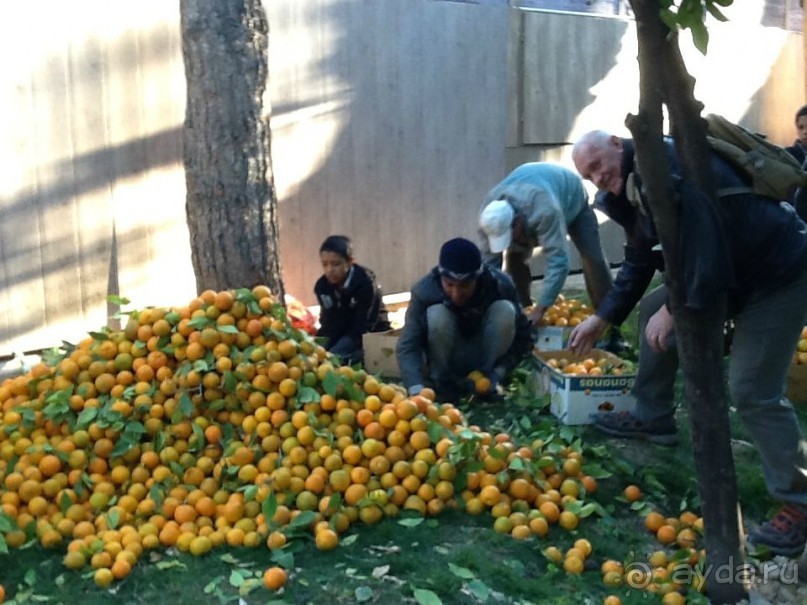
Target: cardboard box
(379, 353)
(574, 398)
(797, 384)
(551, 338)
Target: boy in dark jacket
(462, 316)
(349, 299)
(763, 254)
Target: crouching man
(462, 316)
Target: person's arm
(326, 319)
(551, 233)
(522, 341)
(412, 345)
(630, 284)
(351, 338)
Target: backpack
(772, 171)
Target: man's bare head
(597, 155)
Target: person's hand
(586, 334)
(535, 314)
(658, 329)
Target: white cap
(496, 221)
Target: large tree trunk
(699, 334)
(231, 202)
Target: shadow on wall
(59, 266)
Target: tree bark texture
(231, 202)
(664, 80)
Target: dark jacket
(765, 241)
(797, 151)
(348, 312)
(799, 196)
(492, 285)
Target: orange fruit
(274, 578)
(632, 493)
(326, 539)
(573, 565)
(103, 577)
(653, 521)
(666, 534)
(550, 511)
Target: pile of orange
(566, 312)
(589, 366)
(663, 573)
(219, 423)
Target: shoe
(785, 534)
(616, 345)
(628, 426)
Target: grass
(455, 558)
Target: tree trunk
(231, 203)
(699, 334)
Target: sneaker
(628, 426)
(785, 534)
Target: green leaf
(283, 557)
(87, 416)
(228, 329)
(249, 492)
(435, 431)
(248, 586)
(230, 382)
(411, 521)
(269, 507)
(245, 295)
(7, 524)
(117, 300)
(517, 464)
(64, 503)
(304, 519)
(307, 394)
(124, 444)
(185, 405)
(700, 36)
(113, 517)
(426, 597)
(669, 18)
(363, 593)
(331, 383)
(715, 12)
(101, 336)
(587, 510)
(211, 586)
(236, 578)
(348, 540)
(3, 545)
(162, 565)
(479, 589)
(461, 572)
(198, 323)
(30, 577)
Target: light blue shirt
(549, 197)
